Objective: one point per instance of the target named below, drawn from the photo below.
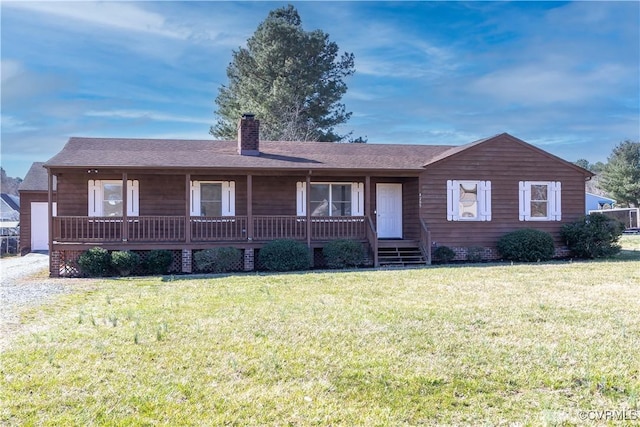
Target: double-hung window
(331, 199)
(106, 198)
(540, 201)
(468, 200)
(213, 198)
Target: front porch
(194, 211)
(186, 234)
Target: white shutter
(525, 206)
(229, 198)
(555, 198)
(450, 203)
(357, 199)
(195, 198)
(301, 198)
(133, 198)
(95, 205)
(484, 200)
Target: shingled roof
(36, 179)
(178, 153)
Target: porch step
(400, 255)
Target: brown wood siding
(162, 195)
(503, 162)
(73, 192)
(26, 198)
(275, 195)
(410, 210)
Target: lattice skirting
(65, 263)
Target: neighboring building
(9, 214)
(9, 223)
(34, 215)
(186, 195)
(595, 202)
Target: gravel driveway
(24, 282)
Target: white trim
(195, 199)
(483, 200)
(96, 196)
(357, 199)
(301, 198)
(357, 196)
(450, 198)
(554, 201)
(133, 198)
(227, 197)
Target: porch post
(308, 209)
(249, 207)
(54, 261)
(187, 208)
(125, 208)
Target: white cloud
(118, 15)
(149, 115)
(9, 69)
(544, 84)
(10, 124)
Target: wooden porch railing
(82, 229)
(425, 241)
(220, 228)
(86, 229)
(271, 227)
(156, 229)
(332, 227)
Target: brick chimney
(248, 135)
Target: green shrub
(218, 260)
(284, 255)
(95, 262)
(443, 254)
(594, 236)
(125, 262)
(343, 254)
(475, 254)
(158, 261)
(527, 245)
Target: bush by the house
(284, 255)
(124, 262)
(443, 254)
(475, 253)
(218, 260)
(343, 253)
(158, 261)
(526, 245)
(594, 236)
(95, 262)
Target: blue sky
(564, 76)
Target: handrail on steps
(425, 241)
(372, 236)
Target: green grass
(532, 344)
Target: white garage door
(40, 225)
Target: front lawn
(532, 344)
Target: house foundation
(187, 260)
(55, 258)
(249, 259)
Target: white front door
(40, 225)
(389, 210)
